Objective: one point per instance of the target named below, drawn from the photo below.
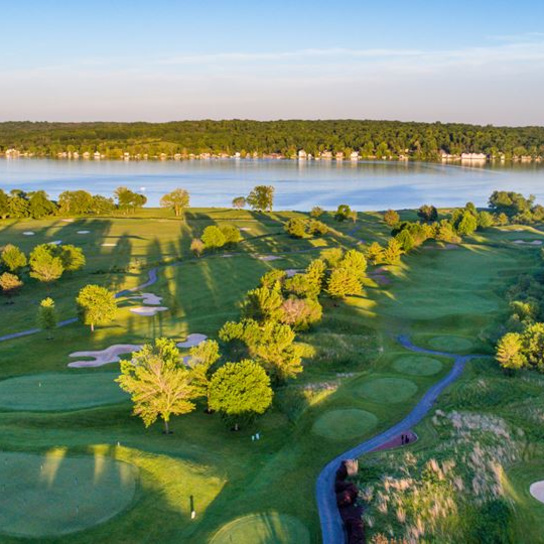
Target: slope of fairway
(60, 391)
(50, 495)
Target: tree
(213, 238)
(201, 358)
(392, 253)
(4, 204)
(273, 277)
(72, 257)
(533, 345)
(405, 239)
(485, 220)
(239, 202)
(177, 200)
(261, 198)
(317, 212)
(39, 205)
(96, 305)
(428, 213)
(301, 313)
(44, 265)
(509, 351)
(270, 343)
(197, 247)
(315, 227)
(343, 212)
(10, 284)
(467, 224)
(296, 227)
(355, 262)
(263, 304)
(18, 205)
(240, 391)
(129, 201)
(47, 316)
(100, 205)
(159, 385)
(75, 202)
(374, 253)
(315, 274)
(231, 233)
(391, 218)
(13, 258)
(343, 282)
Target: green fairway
(417, 365)
(387, 390)
(266, 528)
(358, 381)
(344, 424)
(51, 495)
(55, 391)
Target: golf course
(77, 466)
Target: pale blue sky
(478, 61)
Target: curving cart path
(331, 525)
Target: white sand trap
(103, 357)
(227, 256)
(83, 231)
(149, 299)
(245, 229)
(269, 257)
(537, 491)
(67, 220)
(192, 340)
(108, 245)
(29, 233)
(533, 243)
(148, 311)
(55, 242)
(290, 272)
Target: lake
(366, 185)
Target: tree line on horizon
(376, 139)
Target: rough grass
(344, 424)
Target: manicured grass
(451, 344)
(344, 424)
(265, 528)
(51, 494)
(55, 391)
(417, 365)
(387, 390)
(435, 293)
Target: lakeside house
(473, 157)
(354, 156)
(97, 156)
(339, 156)
(302, 155)
(326, 155)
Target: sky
(119, 60)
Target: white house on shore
(302, 155)
(354, 156)
(473, 157)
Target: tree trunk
(92, 327)
(166, 428)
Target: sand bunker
(269, 257)
(28, 233)
(537, 491)
(148, 311)
(109, 245)
(56, 242)
(533, 243)
(245, 229)
(149, 299)
(103, 357)
(227, 256)
(290, 272)
(83, 231)
(67, 220)
(192, 340)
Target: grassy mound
(266, 528)
(450, 343)
(56, 391)
(387, 390)
(344, 424)
(49, 495)
(417, 365)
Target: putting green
(266, 528)
(344, 424)
(56, 391)
(51, 495)
(387, 390)
(417, 365)
(450, 343)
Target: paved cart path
(331, 523)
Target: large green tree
(177, 200)
(47, 316)
(159, 384)
(261, 198)
(13, 258)
(96, 305)
(45, 266)
(240, 391)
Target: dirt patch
(192, 340)
(269, 257)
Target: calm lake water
(299, 185)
